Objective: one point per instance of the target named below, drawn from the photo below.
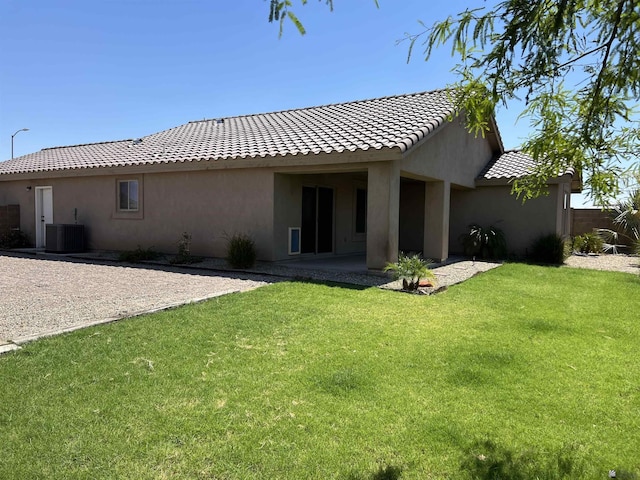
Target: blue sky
(78, 72)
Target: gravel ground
(452, 272)
(618, 263)
(47, 295)
(42, 296)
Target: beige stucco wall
(16, 193)
(412, 206)
(494, 205)
(288, 209)
(451, 154)
(206, 204)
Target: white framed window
(128, 195)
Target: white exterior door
(44, 214)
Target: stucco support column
(436, 220)
(383, 209)
(563, 210)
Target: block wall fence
(585, 220)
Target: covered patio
(373, 213)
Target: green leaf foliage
(410, 269)
(626, 218)
(588, 243)
(279, 10)
(241, 251)
(484, 242)
(14, 239)
(139, 255)
(573, 62)
(550, 249)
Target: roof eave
(277, 161)
(576, 180)
(494, 137)
(568, 177)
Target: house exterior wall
(383, 207)
(419, 201)
(449, 157)
(207, 204)
(494, 205)
(9, 218)
(437, 220)
(288, 209)
(16, 193)
(412, 206)
(452, 154)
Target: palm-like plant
(626, 216)
(410, 269)
(484, 242)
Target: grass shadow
(386, 472)
(479, 368)
(329, 283)
(341, 382)
(487, 460)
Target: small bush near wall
(410, 269)
(241, 251)
(184, 256)
(484, 242)
(9, 219)
(550, 249)
(139, 255)
(588, 243)
(15, 239)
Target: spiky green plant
(588, 243)
(550, 249)
(241, 251)
(410, 269)
(626, 217)
(484, 242)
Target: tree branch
(597, 89)
(582, 55)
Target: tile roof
(511, 164)
(395, 122)
(515, 164)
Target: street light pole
(21, 130)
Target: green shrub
(184, 251)
(138, 255)
(241, 251)
(410, 269)
(588, 243)
(550, 249)
(626, 218)
(484, 242)
(15, 239)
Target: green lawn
(522, 372)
